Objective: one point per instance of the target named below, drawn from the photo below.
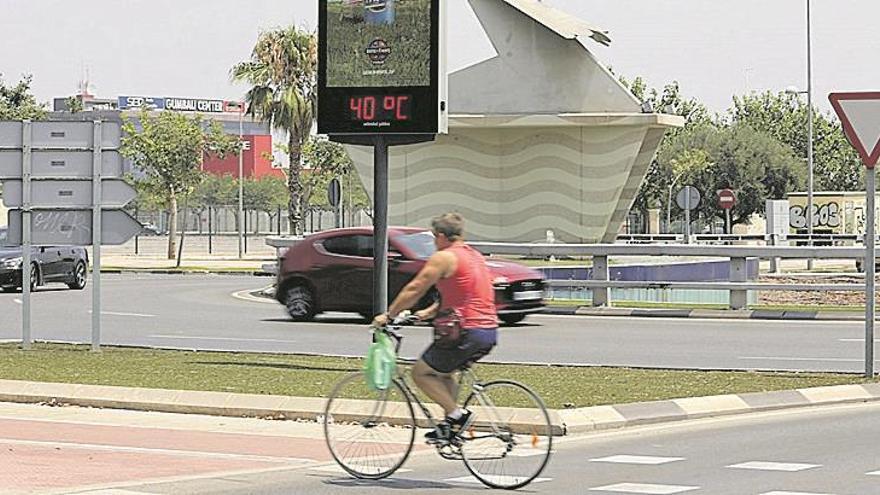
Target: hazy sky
(714, 48)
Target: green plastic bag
(380, 363)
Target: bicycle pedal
(449, 452)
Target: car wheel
(35, 277)
(512, 319)
(79, 277)
(300, 303)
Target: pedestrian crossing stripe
(497, 479)
(637, 459)
(645, 488)
(773, 466)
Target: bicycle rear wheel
(509, 442)
(369, 437)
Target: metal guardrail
(738, 286)
(601, 283)
(818, 239)
(605, 250)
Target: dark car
(65, 264)
(333, 271)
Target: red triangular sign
(860, 115)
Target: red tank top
(469, 289)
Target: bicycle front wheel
(510, 439)
(369, 433)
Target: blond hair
(449, 224)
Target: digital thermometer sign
(380, 67)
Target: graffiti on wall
(823, 215)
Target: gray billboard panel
(10, 134)
(55, 135)
(115, 193)
(60, 164)
(73, 227)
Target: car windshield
(421, 244)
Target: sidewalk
(565, 421)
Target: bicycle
(372, 438)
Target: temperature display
(387, 108)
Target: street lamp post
(240, 184)
(809, 92)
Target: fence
(738, 284)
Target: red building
(256, 162)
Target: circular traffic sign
(688, 198)
(726, 199)
(334, 192)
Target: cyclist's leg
(436, 384)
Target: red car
(333, 271)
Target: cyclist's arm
(429, 312)
(439, 265)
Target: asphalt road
(201, 312)
(827, 451)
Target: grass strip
(312, 376)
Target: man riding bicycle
(460, 274)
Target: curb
(565, 421)
(172, 271)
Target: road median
(282, 386)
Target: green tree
(169, 149)
(266, 194)
(74, 104)
(282, 73)
(214, 190)
(756, 166)
(836, 165)
(18, 103)
(661, 177)
(325, 160)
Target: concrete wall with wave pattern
(515, 184)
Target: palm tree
(282, 72)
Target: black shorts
(475, 344)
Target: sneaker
(441, 432)
(449, 428)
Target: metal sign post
(96, 235)
(26, 236)
(58, 178)
(860, 115)
(688, 198)
(380, 224)
(870, 269)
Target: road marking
(114, 313)
(245, 295)
(794, 493)
(191, 337)
(779, 358)
(112, 491)
(645, 488)
(148, 450)
(790, 467)
(17, 301)
(497, 479)
(856, 340)
(637, 459)
(335, 469)
(873, 473)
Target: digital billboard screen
(379, 67)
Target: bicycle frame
(465, 375)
